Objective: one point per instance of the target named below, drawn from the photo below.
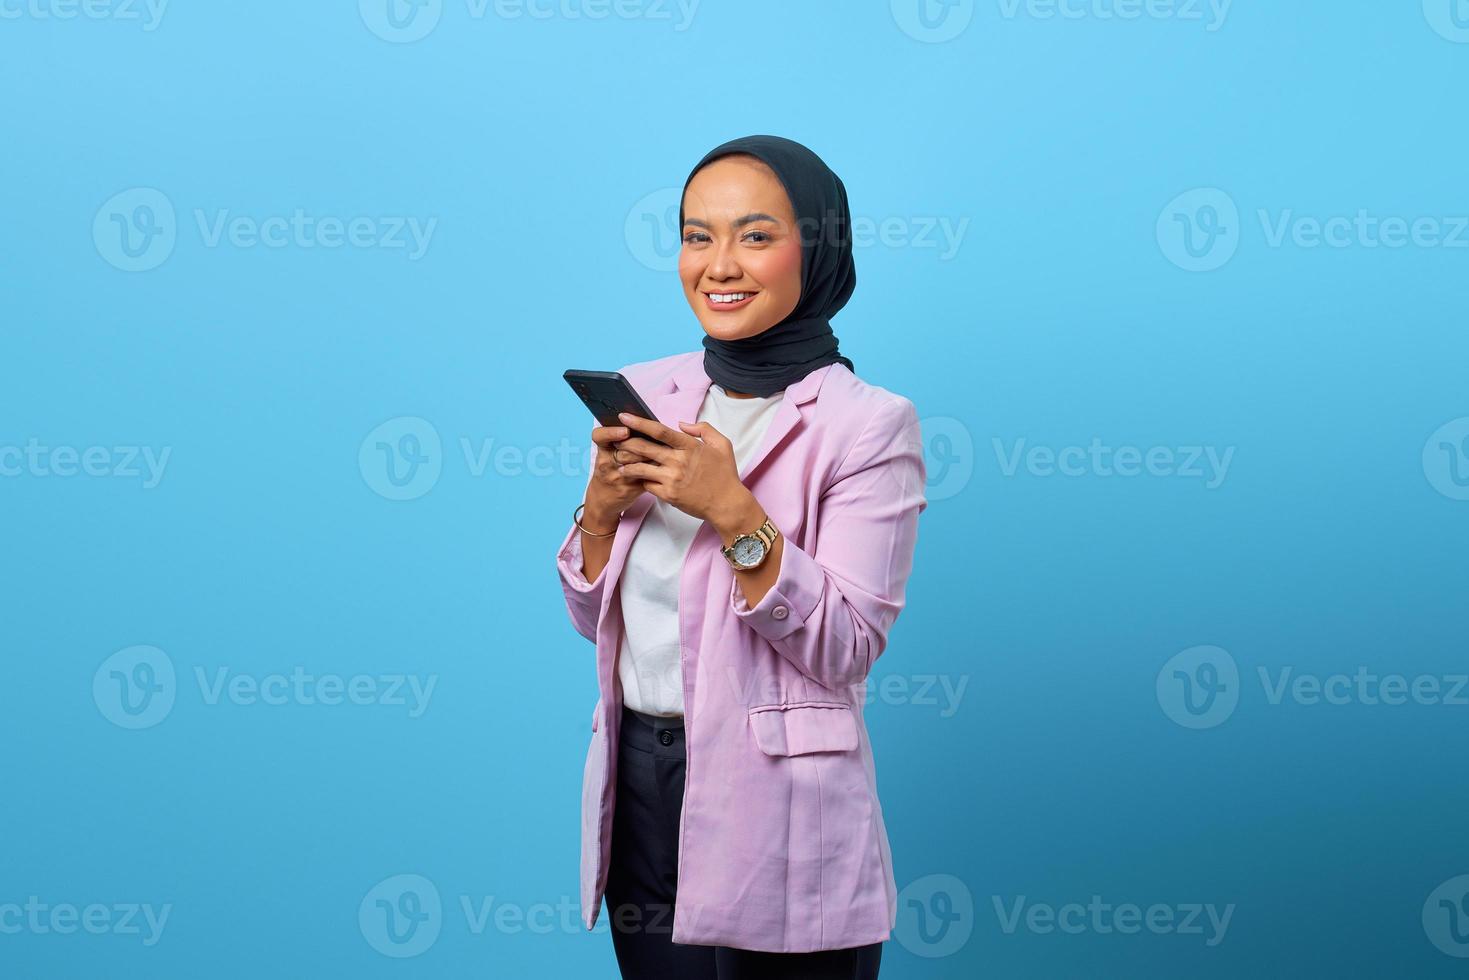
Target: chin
(732, 331)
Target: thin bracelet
(575, 519)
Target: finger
(646, 449)
(659, 431)
(650, 472)
(605, 435)
(707, 432)
(625, 456)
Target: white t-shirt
(648, 658)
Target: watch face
(748, 549)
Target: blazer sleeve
(830, 610)
(583, 598)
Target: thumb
(705, 431)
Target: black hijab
(803, 341)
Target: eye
(758, 237)
(694, 237)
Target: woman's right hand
(609, 492)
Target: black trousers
(642, 877)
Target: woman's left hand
(695, 472)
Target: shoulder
(858, 405)
(846, 408)
(650, 373)
(862, 425)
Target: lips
(728, 299)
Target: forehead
(734, 186)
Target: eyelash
(691, 236)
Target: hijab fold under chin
(803, 341)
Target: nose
(723, 264)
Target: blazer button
(779, 612)
(666, 737)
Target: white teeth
(729, 297)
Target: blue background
(1333, 544)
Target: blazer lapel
(679, 399)
(691, 384)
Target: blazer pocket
(799, 727)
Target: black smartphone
(606, 393)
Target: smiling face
(741, 257)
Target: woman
(739, 581)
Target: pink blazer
(782, 845)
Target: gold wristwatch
(750, 550)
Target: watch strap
(767, 534)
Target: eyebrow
(748, 219)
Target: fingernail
(624, 416)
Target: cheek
(690, 268)
(781, 272)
